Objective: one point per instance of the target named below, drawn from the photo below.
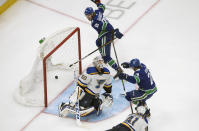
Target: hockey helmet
(88, 10)
(135, 63)
(98, 62)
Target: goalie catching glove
(96, 1)
(107, 99)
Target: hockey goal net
(51, 72)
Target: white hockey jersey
(93, 82)
(136, 122)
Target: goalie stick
(77, 115)
(92, 52)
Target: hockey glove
(118, 34)
(129, 95)
(123, 76)
(107, 99)
(125, 65)
(107, 95)
(96, 1)
(98, 42)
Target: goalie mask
(98, 62)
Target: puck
(56, 77)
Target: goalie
(88, 88)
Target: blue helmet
(88, 10)
(135, 63)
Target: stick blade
(78, 122)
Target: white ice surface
(165, 39)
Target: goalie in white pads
(136, 121)
(90, 84)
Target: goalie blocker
(89, 85)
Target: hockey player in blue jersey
(106, 32)
(142, 77)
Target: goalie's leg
(97, 103)
(87, 103)
(90, 101)
(62, 109)
(65, 108)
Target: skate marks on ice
(119, 103)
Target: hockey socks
(113, 64)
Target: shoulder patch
(91, 70)
(143, 65)
(106, 71)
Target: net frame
(76, 30)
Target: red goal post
(54, 56)
(76, 30)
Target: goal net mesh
(51, 70)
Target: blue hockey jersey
(144, 80)
(99, 22)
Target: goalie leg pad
(62, 108)
(85, 112)
(66, 108)
(73, 97)
(97, 103)
(86, 101)
(89, 101)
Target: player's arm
(101, 7)
(107, 96)
(108, 87)
(83, 81)
(108, 83)
(132, 79)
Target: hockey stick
(77, 116)
(116, 74)
(92, 52)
